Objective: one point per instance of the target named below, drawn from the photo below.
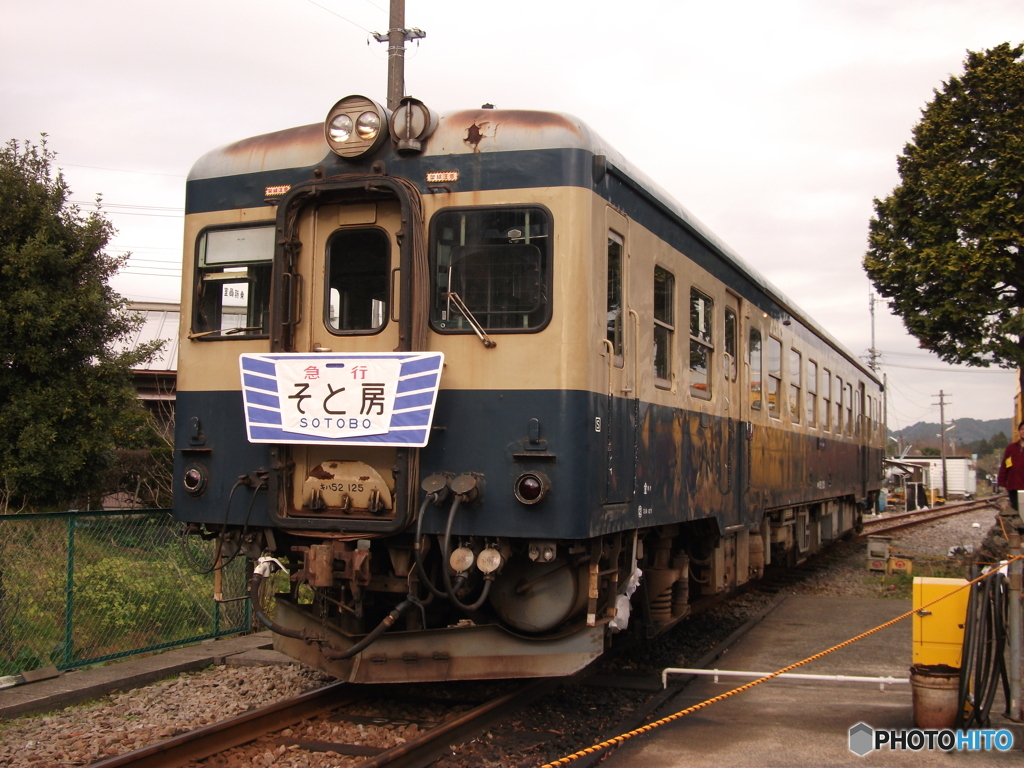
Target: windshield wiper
(460, 305)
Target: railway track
(328, 704)
(607, 689)
(918, 517)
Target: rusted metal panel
(454, 653)
(291, 148)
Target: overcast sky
(776, 124)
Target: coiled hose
(983, 662)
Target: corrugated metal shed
(156, 379)
(160, 323)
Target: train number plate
(347, 399)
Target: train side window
(826, 397)
(812, 393)
(232, 288)
(664, 324)
(754, 364)
(848, 401)
(358, 266)
(731, 328)
(838, 402)
(614, 307)
(774, 375)
(858, 408)
(494, 264)
(701, 344)
(794, 385)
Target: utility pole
(396, 36)
(872, 352)
(942, 438)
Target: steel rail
(919, 517)
(425, 748)
(218, 737)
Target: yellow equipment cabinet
(939, 633)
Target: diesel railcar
(488, 395)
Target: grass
(900, 586)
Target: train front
(352, 322)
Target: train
(477, 397)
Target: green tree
(65, 392)
(947, 246)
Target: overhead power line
(123, 170)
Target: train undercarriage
(376, 610)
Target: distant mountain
(964, 431)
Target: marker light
(531, 487)
(194, 479)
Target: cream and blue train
(490, 396)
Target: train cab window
(702, 346)
(614, 307)
(492, 264)
(357, 269)
(774, 375)
(794, 386)
(731, 331)
(812, 393)
(754, 364)
(664, 324)
(232, 288)
(826, 397)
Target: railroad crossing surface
(783, 723)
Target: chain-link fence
(82, 587)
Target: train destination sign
(341, 399)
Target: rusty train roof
(475, 131)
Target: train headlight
(531, 487)
(339, 129)
(194, 479)
(355, 126)
(367, 125)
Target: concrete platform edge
(80, 686)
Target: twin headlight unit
(357, 126)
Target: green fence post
(69, 595)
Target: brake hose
(446, 554)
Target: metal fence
(78, 588)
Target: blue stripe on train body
(688, 465)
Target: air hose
(446, 555)
(262, 571)
(983, 662)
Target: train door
(350, 287)
(619, 349)
(735, 402)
